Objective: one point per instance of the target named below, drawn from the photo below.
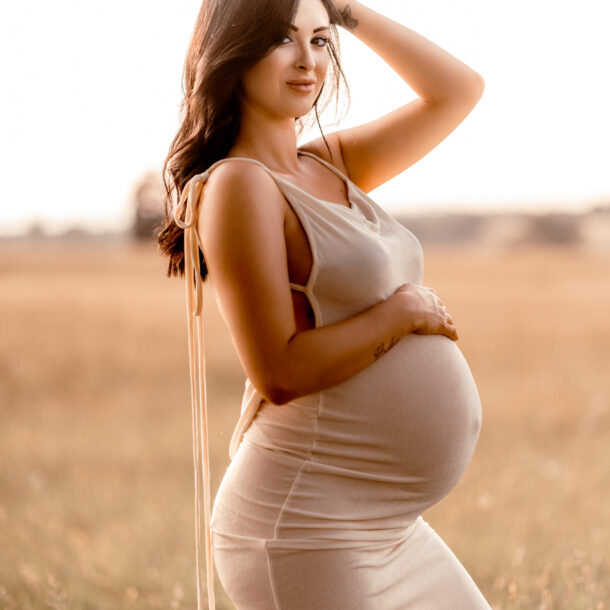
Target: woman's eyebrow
(322, 27)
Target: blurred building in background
(148, 202)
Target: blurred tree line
(553, 228)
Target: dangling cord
(187, 207)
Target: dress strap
(185, 215)
(297, 287)
(330, 166)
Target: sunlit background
(512, 209)
(91, 93)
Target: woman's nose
(305, 60)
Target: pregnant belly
(414, 415)
(404, 427)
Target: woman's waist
(288, 429)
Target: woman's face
(270, 86)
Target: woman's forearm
(318, 358)
(433, 73)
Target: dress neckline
(337, 172)
(334, 204)
(348, 184)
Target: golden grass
(96, 500)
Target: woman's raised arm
(447, 88)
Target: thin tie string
(185, 215)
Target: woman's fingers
(448, 324)
(451, 332)
(447, 321)
(435, 317)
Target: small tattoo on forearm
(348, 21)
(382, 349)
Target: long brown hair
(230, 36)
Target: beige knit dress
(320, 507)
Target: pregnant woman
(359, 410)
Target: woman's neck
(270, 141)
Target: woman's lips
(302, 87)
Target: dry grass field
(96, 473)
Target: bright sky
(90, 95)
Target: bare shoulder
(240, 182)
(241, 204)
(318, 148)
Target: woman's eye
(318, 41)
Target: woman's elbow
(276, 388)
(478, 85)
(276, 395)
(282, 379)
